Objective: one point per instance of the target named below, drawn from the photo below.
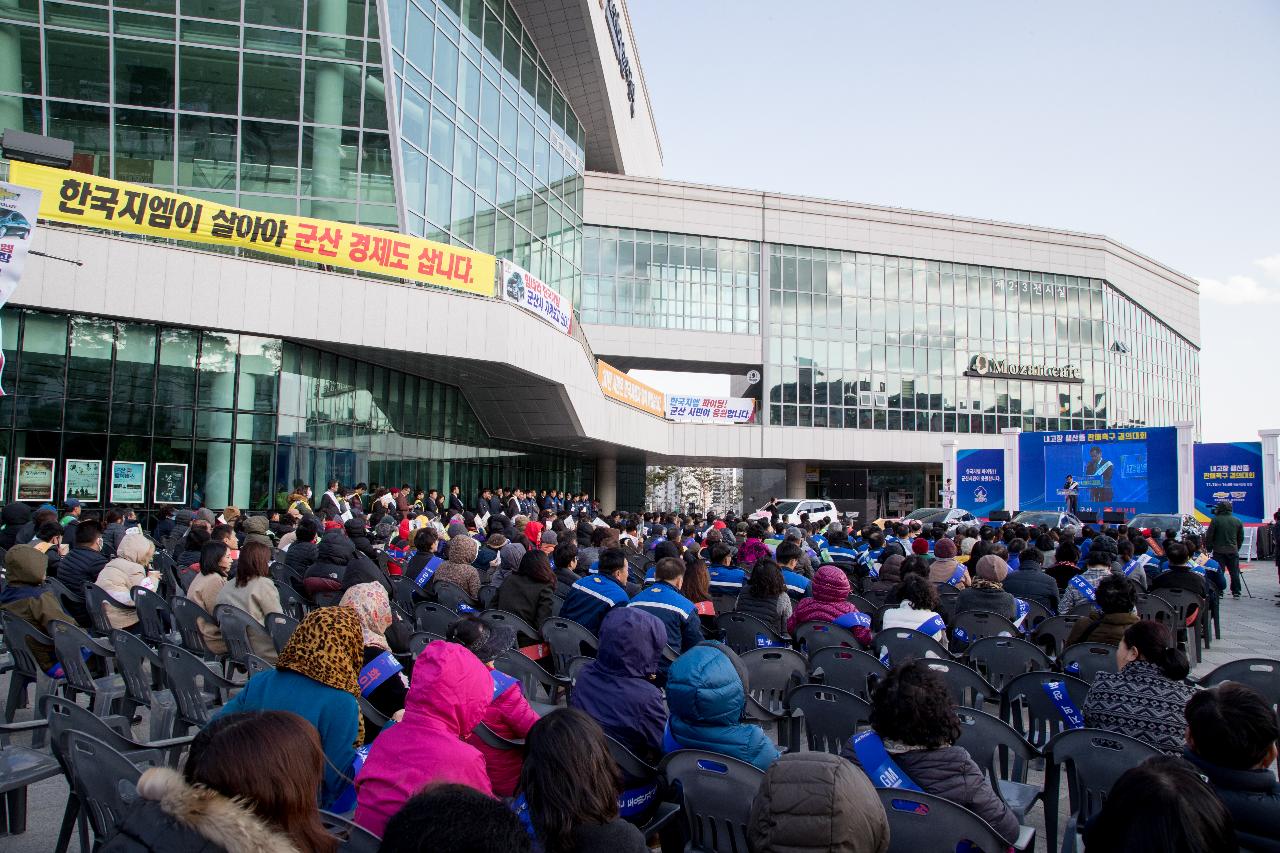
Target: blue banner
(1124, 470)
(1229, 472)
(980, 479)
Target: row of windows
(881, 419)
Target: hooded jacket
(510, 716)
(18, 528)
(301, 556)
(28, 597)
(258, 529)
(1252, 797)
(79, 567)
(333, 554)
(706, 699)
(829, 601)
(122, 574)
(448, 696)
(617, 689)
(814, 802)
(462, 553)
(359, 536)
(175, 815)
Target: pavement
(1250, 628)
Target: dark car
(14, 224)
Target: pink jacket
(753, 550)
(510, 716)
(830, 601)
(448, 696)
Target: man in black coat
(1031, 583)
(82, 565)
(1180, 575)
(455, 500)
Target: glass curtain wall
(492, 154)
(1153, 372)
(655, 279)
(252, 417)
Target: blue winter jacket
(590, 599)
(684, 630)
(617, 689)
(706, 698)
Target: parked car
(1050, 518)
(1159, 522)
(791, 508)
(14, 224)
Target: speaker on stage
(1000, 515)
(1087, 516)
(1110, 517)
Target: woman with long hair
(215, 565)
(1145, 698)
(569, 789)
(765, 596)
(527, 591)
(697, 588)
(215, 804)
(254, 592)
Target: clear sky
(1155, 123)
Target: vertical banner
(1232, 472)
(980, 478)
(534, 296)
(19, 207)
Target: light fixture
(34, 148)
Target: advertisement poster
(980, 475)
(34, 480)
(617, 385)
(171, 483)
(128, 482)
(1232, 472)
(1124, 470)
(83, 480)
(19, 207)
(710, 410)
(534, 296)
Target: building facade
(521, 129)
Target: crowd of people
(421, 773)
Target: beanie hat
(1104, 544)
(830, 584)
(992, 568)
(919, 545)
(944, 549)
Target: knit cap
(944, 549)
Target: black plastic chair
(1152, 607)
(1188, 619)
(947, 595)
(186, 615)
(105, 692)
(281, 627)
(1026, 705)
(354, 838)
(974, 625)
(372, 714)
(512, 621)
(451, 595)
(1262, 674)
(531, 678)
(814, 636)
(920, 822)
(26, 669)
(488, 592)
(419, 640)
(1036, 613)
(1001, 659)
(143, 676)
(1095, 759)
(1003, 755)
(1051, 634)
(967, 686)
(433, 617)
(20, 767)
(239, 629)
(103, 781)
(849, 669)
(743, 632)
(291, 602)
(99, 603)
(568, 640)
(640, 802)
(772, 673)
(254, 665)
(194, 687)
(155, 619)
(904, 644)
(716, 792)
(1086, 660)
(831, 715)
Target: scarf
(328, 647)
(12, 593)
(369, 601)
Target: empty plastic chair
(195, 687)
(433, 617)
(904, 644)
(831, 715)
(773, 672)
(104, 781)
(568, 640)
(143, 676)
(1262, 674)
(967, 687)
(1086, 660)
(1095, 759)
(716, 792)
(813, 636)
(20, 768)
(743, 632)
(291, 602)
(281, 627)
(1051, 634)
(1003, 755)
(26, 670)
(1001, 659)
(849, 669)
(155, 620)
(1188, 619)
(919, 822)
(105, 692)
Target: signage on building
(980, 474)
(710, 410)
(19, 207)
(613, 20)
(617, 385)
(96, 202)
(1231, 472)
(989, 367)
(531, 294)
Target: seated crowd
(418, 766)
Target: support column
(1012, 483)
(326, 148)
(949, 446)
(607, 482)
(795, 479)
(1270, 471)
(1186, 466)
(10, 70)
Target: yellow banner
(82, 199)
(619, 386)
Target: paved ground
(1250, 628)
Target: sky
(1154, 123)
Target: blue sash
(1133, 565)
(1023, 610)
(377, 671)
(501, 682)
(763, 642)
(877, 764)
(856, 619)
(932, 625)
(428, 572)
(1057, 693)
(637, 801)
(1085, 588)
(956, 576)
(464, 608)
(521, 807)
(884, 658)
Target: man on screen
(1071, 491)
(1099, 470)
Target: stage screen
(1131, 470)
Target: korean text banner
(619, 386)
(1121, 470)
(711, 410)
(980, 474)
(534, 296)
(1229, 472)
(120, 206)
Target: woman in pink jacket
(509, 714)
(448, 696)
(830, 603)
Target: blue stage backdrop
(1229, 472)
(1125, 470)
(980, 481)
